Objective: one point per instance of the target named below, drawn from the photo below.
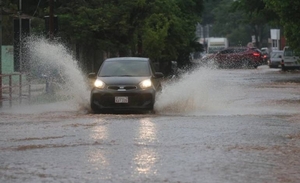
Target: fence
(14, 87)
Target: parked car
(265, 50)
(290, 59)
(125, 83)
(265, 54)
(275, 59)
(237, 57)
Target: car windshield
(239, 50)
(214, 49)
(129, 68)
(290, 52)
(275, 54)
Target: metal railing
(14, 87)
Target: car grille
(122, 87)
(108, 100)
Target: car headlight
(99, 84)
(146, 84)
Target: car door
(223, 56)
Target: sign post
(0, 53)
(275, 37)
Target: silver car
(290, 59)
(275, 58)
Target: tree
(160, 29)
(157, 29)
(289, 14)
(230, 23)
(257, 15)
(208, 17)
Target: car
(265, 50)
(290, 59)
(266, 54)
(237, 57)
(275, 59)
(125, 84)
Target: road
(210, 126)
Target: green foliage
(257, 16)
(289, 15)
(155, 33)
(159, 29)
(208, 17)
(230, 22)
(156, 29)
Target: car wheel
(152, 111)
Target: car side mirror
(92, 75)
(159, 75)
(279, 56)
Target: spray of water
(195, 92)
(203, 91)
(55, 62)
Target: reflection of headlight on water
(98, 134)
(146, 158)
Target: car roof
(127, 58)
(241, 47)
(237, 47)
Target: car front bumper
(274, 63)
(290, 65)
(137, 99)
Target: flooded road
(211, 126)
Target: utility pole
(51, 19)
(0, 53)
(20, 36)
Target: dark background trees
(163, 30)
(289, 17)
(160, 29)
(240, 19)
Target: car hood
(122, 80)
(275, 59)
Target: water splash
(54, 60)
(202, 91)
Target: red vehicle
(238, 57)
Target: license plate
(121, 99)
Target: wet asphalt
(252, 135)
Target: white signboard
(275, 34)
(253, 39)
